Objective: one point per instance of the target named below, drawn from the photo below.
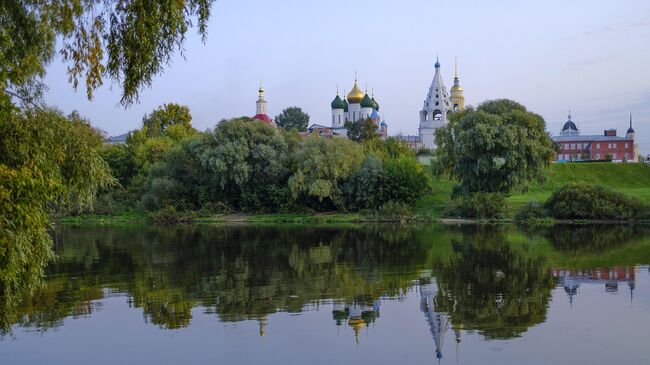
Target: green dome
(337, 103)
(366, 102)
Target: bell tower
(456, 91)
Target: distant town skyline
(589, 57)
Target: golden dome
(456, 88)
(356, 95)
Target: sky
(587, 56)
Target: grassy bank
(632, 179)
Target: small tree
(293, 118)
(361, 130)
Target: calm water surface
(338, 295)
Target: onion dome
(366, 102)
(456, 87)
(374, 114)
(337, 103)
(437, 62)
(569, 126)
(383, 124)
(356, 95)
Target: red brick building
(606, 146)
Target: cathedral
(436, 109)
(356, 106)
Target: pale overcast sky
(590, 56)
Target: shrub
(395, 211)
(405, 180)
(583, 201)
(479, 205)
(532, 210)
(364, 189)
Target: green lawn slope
(632, 179)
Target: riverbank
(630, 179)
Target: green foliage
(395, 211)
(129, 42)
(583, 201)
(361, 130)
(161, 130)
(405, 181)
(293, 118)
(364, 189)
(167, 116)
(388, 148)
(496, 148)
(47, 163)
(479, 205)
(532, 212)
(121, 162)
(244, 156)
(321, 167)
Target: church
(356, 106)
(436, 109)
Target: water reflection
(496, 281)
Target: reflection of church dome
(356, 95)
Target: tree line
(246, 165)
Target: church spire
(630, 130)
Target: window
(626, 145)
(586, 145)
(609, 145)
(437, 103)
(566, 146)
(598, 146)
(614, 145)
(573, 146)
(598, 156)
(339, 119)
(333, 119)
(614, 156)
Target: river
(344, 294)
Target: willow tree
(496, 148)
(47, 161)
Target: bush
(479, 205)
(405, 180)
(532, 210)
(395, 211)
(364, 189)
(583, 201)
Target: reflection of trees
(492, 286)
(593, 239)
(236, 272)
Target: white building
(437, 106)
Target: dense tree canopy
(498, 147)
(293, 118)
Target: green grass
(631, 179)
